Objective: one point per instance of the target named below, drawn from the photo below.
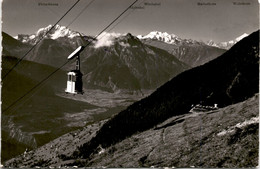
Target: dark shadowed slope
(229, 79)
(12, 46)
(227, 137)
(39, 117)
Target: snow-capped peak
(56, 32)
(227, 45)
(41, 30)
(169, 38)
(161, 36)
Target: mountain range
(226, 45)
(191, 52)
(160, 130)
(53, 33)
(167, 38)
(60, 41)
(145, 66)
(175, 40)
(61, 31)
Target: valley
(190, 140)
(48, 112)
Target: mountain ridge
(59, 31)
(54, 33)
(226, 45)
(193, 54)
(103, 56)
(175, 40)
(168, 38)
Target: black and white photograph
(130, 84)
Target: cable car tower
(74, 82)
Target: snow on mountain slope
(105, 39)
(226, 45)
(191, 52)
(241, 37)
(175, 40)
(167, 38)
(56, 32)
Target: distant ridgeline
(231, 78)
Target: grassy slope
(191, 140)
(181, 141)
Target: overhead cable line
(38, 84)
(110, 24)
(122, 19)
(39, 40)
(46, 78)
(80, 12)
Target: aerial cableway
(74, 82)
(77, 76)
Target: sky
(218, 20)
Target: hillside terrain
(12, 46)
(227, 137)
(42, 115)
(231, 78)
(113, 79)
(200, 139)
